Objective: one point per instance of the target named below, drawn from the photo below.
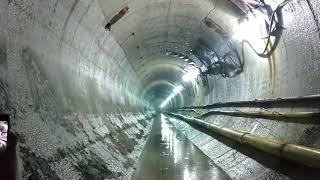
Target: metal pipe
(268, 115)
(300, 154)
(296, 101)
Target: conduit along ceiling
(174, 45)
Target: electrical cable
(274, 26)
(273, 20)
(228, 58)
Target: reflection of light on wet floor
(169, 155)
(168, 138)
(187, 175)
(165, 130)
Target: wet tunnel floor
(169, 155)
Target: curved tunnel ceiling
(152, 28)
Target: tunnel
(95, 89)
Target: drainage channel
(168, 154)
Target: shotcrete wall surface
(71, 92)
(74, 89)
(292, 71)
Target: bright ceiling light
(190, 75)
(243, 30)
(250, 28)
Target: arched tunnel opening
(162, 89)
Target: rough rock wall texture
(292, 71)
(4, 103)
(71, 92)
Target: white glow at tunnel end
(189, 76)
(176, 91)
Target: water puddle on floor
(169, 155)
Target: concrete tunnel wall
(74, 95)
(292, 71)
(71, 92)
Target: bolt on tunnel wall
(82, 98)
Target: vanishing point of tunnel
(159, 89)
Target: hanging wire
(270, 30)
(228, 63)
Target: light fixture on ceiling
(250, 27)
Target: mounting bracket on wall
(117, 17)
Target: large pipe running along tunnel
(84, 82)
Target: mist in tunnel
(84, 80)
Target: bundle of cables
(228, 65)
(275, 28)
